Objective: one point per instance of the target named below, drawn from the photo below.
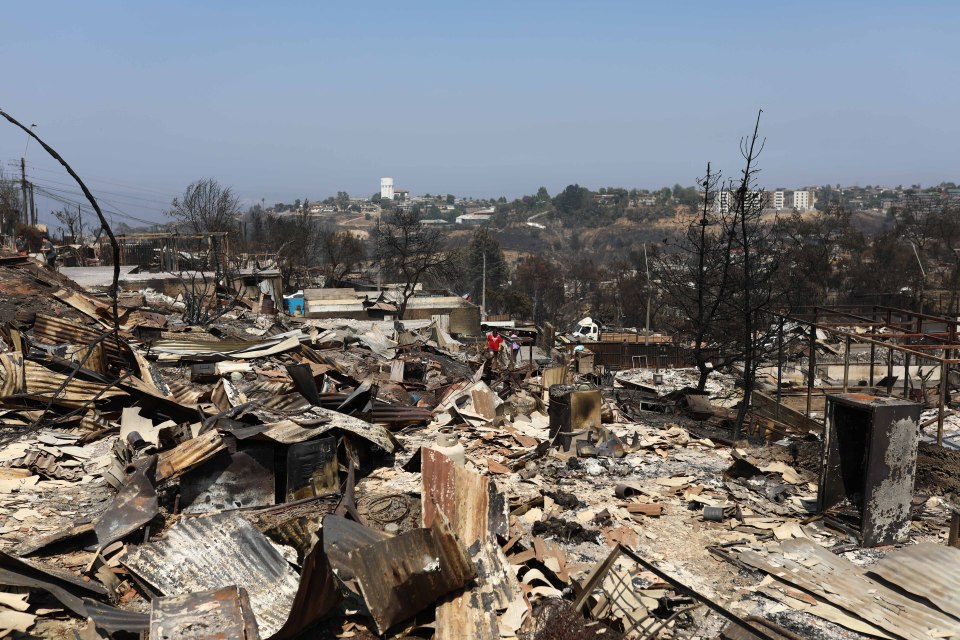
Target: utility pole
(646, 338)
(483, 292)
(23, 190)
(79, 225)
(33, 207)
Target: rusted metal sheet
(112, 620)
(134, 506)
(870, 458)
(401, 576)
(312, 469)
(212, 552)
(928, 570)
(183, 457)
(53, 330)
(316, 595)
(288, 432)
(36, 381)
(230, 481)
(341, 537)
(62, 585)
(204, 350)
(294, 523)
(814, 569)
(221, 614)
(477, 513)
(472, 504)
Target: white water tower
(386, 188)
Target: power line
(98, 191)
(103, 181)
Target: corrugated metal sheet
(53, 330)
(185, 348)
(208, 615)
(187, 455)
(814, 569)
(477, 513)
(36, 381)
(472, 504)
(199, 554)
(931, 571)
(112, 620)
(288, 432)
(401, 576)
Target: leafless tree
(696, 273)
(71, 222)
(10, 206)
(206, 206)
(410, 251)
(757, 251)
(340, 253)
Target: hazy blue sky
(288, 100)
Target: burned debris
(271, 476)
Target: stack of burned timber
(250, 479)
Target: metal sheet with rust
(312, 469)
(64, 586)
(928, 570)
(814, 569)
(341, 537)
(317, 594)
(221, 614)
(230, 481)
(134, 506)
(472, 504)
(401, 576)
(211, 552)
(183, 457)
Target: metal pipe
(679, 586)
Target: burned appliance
(869, 461)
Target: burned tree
(756, 247)
(206, 206)
(720, 277)
(411, 252)
(696, 275)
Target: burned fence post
(811, 363)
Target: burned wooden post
(846, 365)
(779, 367)
(811, 365)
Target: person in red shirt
(494, 342)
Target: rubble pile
(267, 478)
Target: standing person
(21, 243)
(49, 253)
(494, 342)
(514, 349)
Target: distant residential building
(803, 200)
(778, 200)
(386, 188)
(723, 200)
(473, 218)
(401, 194)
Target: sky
(288, 100)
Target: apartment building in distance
(803, 200)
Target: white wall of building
(386, 188)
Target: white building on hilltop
(778, 200)
(386, 188)
(803, 200)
